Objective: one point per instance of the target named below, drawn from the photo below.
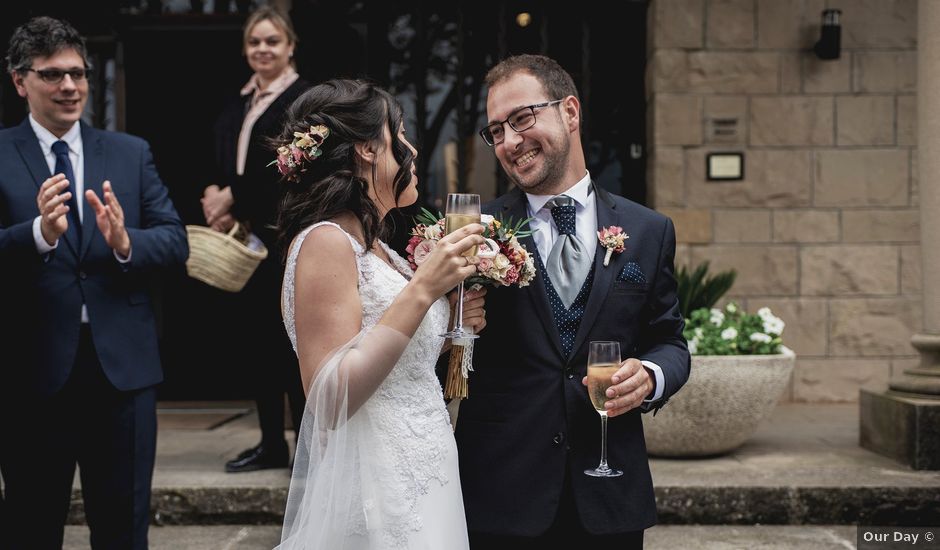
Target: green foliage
(504, 229)
(731, 331)
(699, 290)
(426, 217)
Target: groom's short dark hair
(42, 37)
(556, 81)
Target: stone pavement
(803, 467)
(661, 537)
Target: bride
(376, 464)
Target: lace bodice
(411, 427)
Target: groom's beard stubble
(554, 164)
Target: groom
(528, 430)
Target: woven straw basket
(220, 259)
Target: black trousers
(110, 434)
(566, 531)
(273, 367)
(277, 374)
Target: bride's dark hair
(354, 111)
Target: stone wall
(823, 229)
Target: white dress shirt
(546, 233)
(76, 155)
(74, 139)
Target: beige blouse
(260, 101)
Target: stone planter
(721, 405)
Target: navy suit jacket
(528, 419)
(42, 295)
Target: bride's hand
(446, 266)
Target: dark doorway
(179, 73)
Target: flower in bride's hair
(305, 147)
(303, 141)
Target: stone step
(675, 505)
(698, 537)
(803, 466)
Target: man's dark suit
(75, 391)
(528, 421)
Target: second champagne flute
(462, 209)
(603, 363)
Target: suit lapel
(515, 207)
(607, 215)
(27, 144)
(93, 150)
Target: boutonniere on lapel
(613, 239)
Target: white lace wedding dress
(383, 476)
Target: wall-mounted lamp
(828, 45)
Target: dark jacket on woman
(256, 191)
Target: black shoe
(258, 458)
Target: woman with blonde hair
(245, 190)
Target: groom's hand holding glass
(631, 384)
(474, 314)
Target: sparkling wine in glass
(603, 362)
(462, 209)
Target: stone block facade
(824, 226)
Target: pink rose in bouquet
(422, 251)
(424, 237)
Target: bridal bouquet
(504, 262)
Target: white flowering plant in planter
(740, 368)
(732, 331)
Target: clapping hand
(110, 219)
(52, 201)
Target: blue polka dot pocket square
(632, 273)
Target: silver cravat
(568, 262)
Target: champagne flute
(603, 363)
(462, 209)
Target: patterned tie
(63, 165)
(568, 263)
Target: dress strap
(290, 268)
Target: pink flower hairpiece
(613, 239)
(304, 148)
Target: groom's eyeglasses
(519, 120)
